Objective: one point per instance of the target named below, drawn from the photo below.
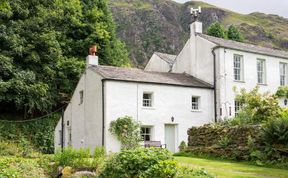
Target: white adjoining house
(172, 93)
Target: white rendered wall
(93, 110)
(157, 64)
(85, 119)
(122, 98)
(196, 59)
(183, 60)
(226, 81)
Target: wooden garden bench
(148, 144)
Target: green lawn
(228, 169)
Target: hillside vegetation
(163, 25)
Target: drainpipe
(103, 113)
(215, 83)
(62, 131)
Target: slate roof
(169, 58)
(245, 46)
(138, 75)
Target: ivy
(39, 133)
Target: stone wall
(209, 135)
(224, 141)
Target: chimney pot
(92, 59)
(93, 50)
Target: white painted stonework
(168, 102)
(157, 64)
(86, 122)
(125, 99)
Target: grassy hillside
(163, 25)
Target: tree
(217, 30)
(43, 46)
(234, 34)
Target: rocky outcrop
(163, 25)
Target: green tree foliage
(233, 33)
(256, 107)
(275, 132)
(43, 46)
(282, 92)
(217, 30)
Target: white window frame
(261, 72)
(238, 69)
(195, 105)
(60, 136)
(81, 97)
(237, 107)
(147, 102)
(143, 134)
(283, 73)
(69, 129)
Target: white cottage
(166, 104)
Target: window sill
(148, 108)
(196, 110)
(239, 81)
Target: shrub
(8, 148)
(127, 132)
(74, 158)
(98, 156)
(282, 92)
(19, 167)
(132, 163)
(224, 142)
(275, 132)
(163, 169)
(257, 108)
(182, 146)
(171, 169)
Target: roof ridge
(249, 46)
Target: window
(60, 136)
(195, 102)
(147, 99)
(238, 68)
(283, 74)
(69, 136)
(81, 94)
(238, 107)
(146, 133)
(261, 71)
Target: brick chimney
(92, 59)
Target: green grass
(228, 169)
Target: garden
(27, 157)
(253, 144)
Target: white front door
(170, 137)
